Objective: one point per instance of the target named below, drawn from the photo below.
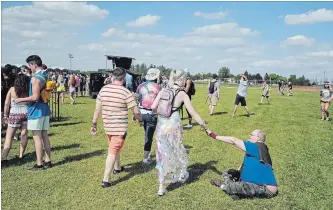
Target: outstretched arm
(228, 139)
(190, 109)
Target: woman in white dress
(171, 155)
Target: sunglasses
(251, 134)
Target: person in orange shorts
(114, 101)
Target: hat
(152, 74)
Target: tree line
(223, 73)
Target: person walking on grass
(71, 85)
(265, 92)
(77, 85)
(38, 113)
(114, 101)
(256, 177)
(16, 116)
(171, 155)
(213, 94)
(290, 88)
(241, 94)
(61, 88)
(326, 94)
(190, 91)
(147, 93)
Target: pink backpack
(165, 104)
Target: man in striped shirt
(114, 101)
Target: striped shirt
(115, 101)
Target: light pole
(70, 61)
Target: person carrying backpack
(190, 91)
(213, 94)
(147, 93)
(171, 155)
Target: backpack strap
(176, 93)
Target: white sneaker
(188, 126)
(162, 191)
(147, 161)
(183, 177)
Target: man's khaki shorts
(212, 100)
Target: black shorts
(76, 89)
(82, 88)
(240, 99)
(265, 96)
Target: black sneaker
(118, 171)
(106, 184)
(48, 165)
(36, 167)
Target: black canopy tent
(119, 61)
(97, 79)
(126, 63)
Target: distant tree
(246, 74)
(266, 77)
(224, 72)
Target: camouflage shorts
(238, 189)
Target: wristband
(213, 135)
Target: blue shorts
(39, 124)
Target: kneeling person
(257, 177)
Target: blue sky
(273, 37)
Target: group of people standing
(158, 111)
(25, 109)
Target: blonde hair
(261, 135)
(175, 76)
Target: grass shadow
(134, 169)
(79, 157)
(29, 157)
(67, 124)
(245, 115)
(220, 113)
(62, 119)
(195, 171)
(31, 138)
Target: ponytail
(171, 81)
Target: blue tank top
(38, 109)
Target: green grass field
(300, 146)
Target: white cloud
(321, 54)
(143, 21)
(298, 40)
(148, 53)
(224, 30)
(111, 32)
(227, 61)
(202, 49)
(33, 34)
(71, 13)
(320, 15)
(213, 15)
(264, 63)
